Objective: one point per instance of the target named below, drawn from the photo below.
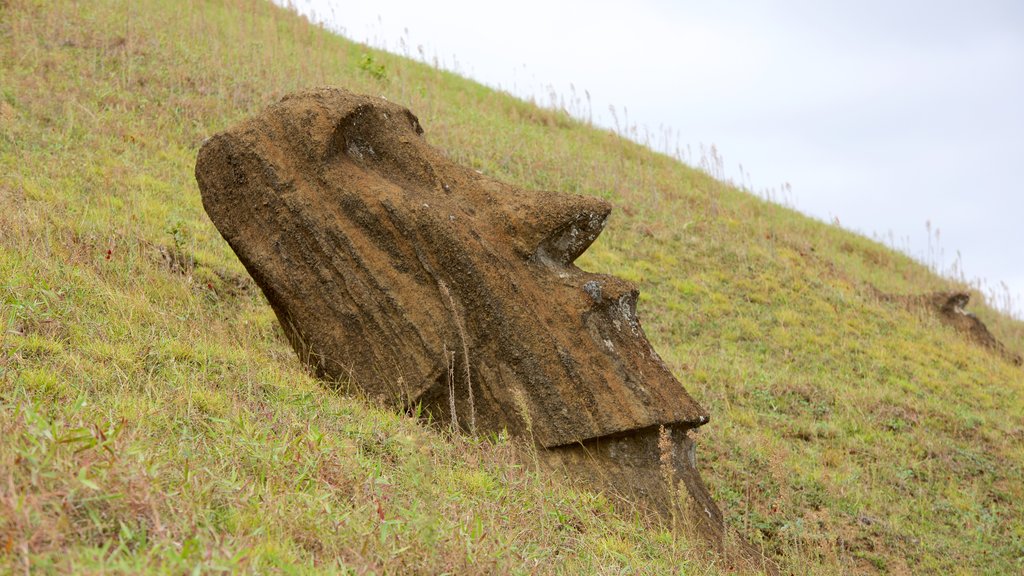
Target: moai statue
(428, 284)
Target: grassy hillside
(153, 417)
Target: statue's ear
(555, 228)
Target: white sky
(884, 114)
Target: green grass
(154, 418)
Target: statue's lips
(423, 281)
(612, 381)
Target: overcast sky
(883, 114)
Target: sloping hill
(154, 418)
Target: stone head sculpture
(383, 259)
(427, 283)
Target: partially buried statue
(427, 284)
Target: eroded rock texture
(427, 283)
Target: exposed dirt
(429, 284)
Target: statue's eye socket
(368, 130)
(381, 140)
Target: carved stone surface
(950, 307)
(425, 283)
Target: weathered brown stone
(426, 283)
(950, 307)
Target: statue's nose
(552, 229)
